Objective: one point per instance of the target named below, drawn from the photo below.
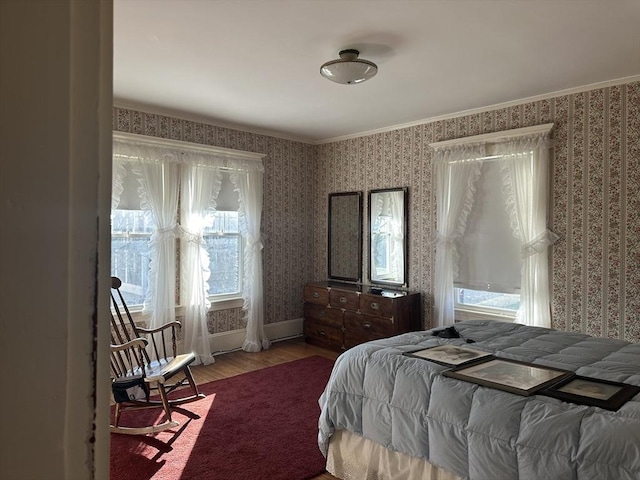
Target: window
(492, 237)
(488, 266)
(130, 235)
(506, 304)
(224, 245)
(207, 205)
(132, 227)
(131, 232)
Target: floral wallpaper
(595, 201)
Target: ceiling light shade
(348, 69)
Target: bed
(386, 415)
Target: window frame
(496, 313)
(221, 297)
(463, 311)
(484, 311)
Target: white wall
(55, 131)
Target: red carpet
(255, 426)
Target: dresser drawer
(324, 315)
(378, 327)
(339, 316)
(316, 294)
(376, 305)
(323, 333)
(344, 299)
(364, 328)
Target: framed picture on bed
(516, 377)
(451, 355)
(591, 391)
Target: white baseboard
(228, 341)
(284, 330)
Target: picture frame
(512, 376)
(451, 355)
(594, 392)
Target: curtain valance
(139, 148)
(490, 146)
(468, 152)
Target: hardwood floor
(235, 363)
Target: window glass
(490, 301)
(131, 230)
(130, 234)
(224, 244)
(489, 261)
(488, 252)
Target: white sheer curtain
(158, 175)
(164, 169)
(200, 185)
(525, 166)
(159, 193)
(457, 168)
(247, 180)
(117, 180)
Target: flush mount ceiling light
(348, 69)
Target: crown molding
(121, 103)
(497, 106)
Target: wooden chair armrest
(175, 323)
(136, 342)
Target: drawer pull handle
(343, 299)
(315, 295)
(366, 325)
(322, 333)
(323, 313)
(375, 305)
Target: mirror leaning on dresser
(388, 237)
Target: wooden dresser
(340, 316)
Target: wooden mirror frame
(373, 279)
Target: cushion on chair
(129, 388)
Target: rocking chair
(142, 364)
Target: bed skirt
(351, 457)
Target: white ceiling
(254, 64)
